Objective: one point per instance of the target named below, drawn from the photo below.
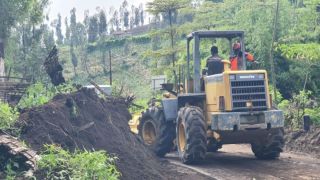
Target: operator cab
(214, 66)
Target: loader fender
(170, 108)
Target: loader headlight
(261, 76)
(232, 77)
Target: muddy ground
(238, 162)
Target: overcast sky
(64, 6)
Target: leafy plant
(8, 116)
(314, 114)
(61, 164)
(38, 94)
(295, 109)
(279, 95)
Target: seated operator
(214, 63)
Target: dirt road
(238, 162)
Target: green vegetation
(58, 163)
(8, 116)
(38, 94)
(301, 104)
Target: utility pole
(273, 77)
(2, 67)
(110, 70)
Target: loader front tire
(272, 148)
(191, 135)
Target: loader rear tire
(272, 148)
(191, 135)
(165, 140)
(148, 127)
(156, 132)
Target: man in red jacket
(238, 57)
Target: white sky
(64, 6)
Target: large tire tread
(270, 150)
(195, 131)
(165, 131)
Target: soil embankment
(305, 142)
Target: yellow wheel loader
(233, 107)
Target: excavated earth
(82, 120)
(305, 142)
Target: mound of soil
(301, 141)
(83, 120)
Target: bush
(56, 163)
(295, 109)
(38, 94)
(314, 115)
(8, 116)
(279, 95)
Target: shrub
(57, 163)
(295, 109)
(279, 95)
(314, 114)
(8, 116)
(38, 94)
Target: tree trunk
(274, 39)
(2, 68)
(110, 65)
(171, 37)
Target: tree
(112, 20)
(136, 17)
(169, 9)
(131, 22)
(102, 23)
(12, 12)
(116, 20)
(68, 32)
(73, 27)
(93, 29)
(132, 17)
(141, 14)
(126, 19)
(59, 31)
(125, 14)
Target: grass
(57, 163)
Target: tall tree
(126, 13)
(68, 32)
(141, 14)
(73, 27)
(116, 20)
(102, 23)
(132, 21)
(93, 29)
(58, 30)
(136, 17)
(12, 12)
(111, 21)
(169, 8)
(126, 19)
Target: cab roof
(216, 34)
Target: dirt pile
(83, 120)
(301, 141)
